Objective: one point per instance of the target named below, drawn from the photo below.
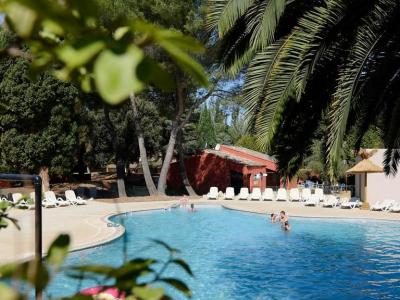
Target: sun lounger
(282, 195)
(351, 203)
(73, 199)
(305, 194)
(213, 194)
(268, 195)
(255, 194)
(244, 194)
(229, 193)
(384, 205)
(331, 201)
(294, 194)
(312, 201)
(19, 201)
(59, 201)
(319, 194)
(395, 207)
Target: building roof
(252, 152)
(365, 166)
(234, 158)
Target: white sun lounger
(331, 201)
(294, 195)
(59, 201)
(244, 193)
(18, 200)
(305, 194)
(319, 194)
(255, 194)
(312, 200)
(213, 194)
(351, 203)
(73, 199)
(229, 193)
(384, 205)
(395, 207)
(282, 195)
(268, 195)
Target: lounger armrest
(79, 198)
(60, 199)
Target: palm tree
(336, 61)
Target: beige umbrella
(365, 166)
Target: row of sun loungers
(49, 200)
(268, 194)
(305, 195)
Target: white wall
(380, 186)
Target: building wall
(207, 170)
(203, 171)
(379, 186)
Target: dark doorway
(236, 181)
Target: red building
(227, 166)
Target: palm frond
(366, 39)
(214, 11)
(232, 11)
(266, 16)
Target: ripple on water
(238, 255)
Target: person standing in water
(284, 221)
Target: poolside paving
(88, 225)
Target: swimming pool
(237, 255)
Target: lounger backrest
(230, 191)
(70, 195)
(32, 195)
(256, 191)
(49, 195)
(294, 193)
(306, 193)
(319, 192)
(268, 193)
(282, 194)
(213, 190)
(16, 197)
(244, 191)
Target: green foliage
(336, 58)
(205, 130)
(5, 218)
(68, 35)
(249, 142)
(39, 123)
(137, 278)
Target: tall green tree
(205, 130)
(39, 122)
(303, 58)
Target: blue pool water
(237, 255)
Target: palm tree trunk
(151, 187)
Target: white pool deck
(88, 225)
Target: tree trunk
(121, 178)
(176, 128)
(120, 163)
(44, 174)
(182, 169)
(162, 181)
(151, 187)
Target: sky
(1, 18)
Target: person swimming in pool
(192, 209)
(274, 217)
(284, 219)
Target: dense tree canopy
(39, 121)
(310, 59)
